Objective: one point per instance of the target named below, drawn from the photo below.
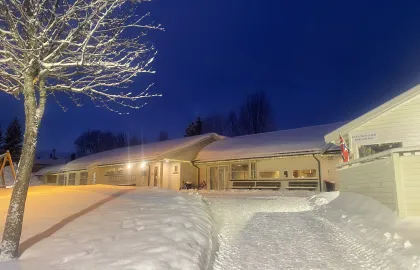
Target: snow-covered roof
(284, 142)
(137, 153)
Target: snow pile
(369, 218)
(34, 181)
(146, 228)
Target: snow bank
(147, 228)
(365, 216)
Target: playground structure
(3, 158)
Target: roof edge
(375, 112)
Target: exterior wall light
(128, 165)
(143, 165)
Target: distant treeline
(253, 116)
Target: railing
(414, 150)
(307, 184)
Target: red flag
(345, 152)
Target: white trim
(345, 129)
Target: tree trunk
(33, 114)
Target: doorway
(155, 176)
(219, 178)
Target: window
(304, 173)
(175, 170)
(243, 171)
(83, 178)
(72, 179)
(367, 150)
(275, 174)
(286, 174)
(51, 179)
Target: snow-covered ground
(283, 230)
(143, 228)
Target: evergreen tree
(195, 128)
(13, 139)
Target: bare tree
(255, 115)
(120, 140)
(214, 123)
(77, 47)
(232, 124)
(163, 136)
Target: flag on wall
(345, 152)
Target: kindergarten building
(288, 159)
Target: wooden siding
(375, 179)
(400, 124)
(410, 166)
(188, 173)
(175, 178)
(329, 170)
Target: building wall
(400, 124)
(289, 164)
(375, 179)
(189, 173)
(175, 175)
(410, 167)
(329, 170)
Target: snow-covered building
(165, 164)
(385, 153)
(287, 159)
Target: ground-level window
(308, 173)
(51, 179)
(243, 171)
(83, 178)
(72, 179)
(61, 180)
(367, 150)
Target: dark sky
(318, 62)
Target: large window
(243, 171)
(274, 174)
(367, 150)
(83, 178)
(72, 179)
(309, 173)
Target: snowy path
(286, 233)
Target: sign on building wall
(367, 137)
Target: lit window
(275, 174)
(242, 171)
(304, 173)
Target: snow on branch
(88, 47)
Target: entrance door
(155, 176)
(213, 178)
(219, 178)
(223, 175)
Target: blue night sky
(318, 62)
